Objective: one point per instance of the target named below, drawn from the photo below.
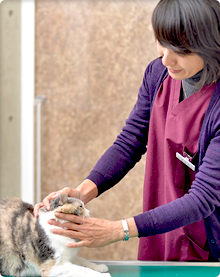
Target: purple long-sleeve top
(202, 200)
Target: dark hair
(191, 26)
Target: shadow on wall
(90, 61)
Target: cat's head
(68, 205)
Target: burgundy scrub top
(174, 127)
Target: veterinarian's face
(180, 66)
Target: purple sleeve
(131, 143)
(200, 202)
(127, 149)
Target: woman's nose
(168, 57)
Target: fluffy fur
(29, 248)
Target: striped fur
(29, 248)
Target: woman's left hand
(92, 232)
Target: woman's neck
(189, 85)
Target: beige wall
(10, 99)
(90, 60)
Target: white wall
(27, 98)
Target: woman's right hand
(86, 191)
(46, 201)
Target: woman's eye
(183, 53)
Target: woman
(177, 115)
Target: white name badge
(186, 161)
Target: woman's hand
(86, 191)
(92, 232)
(46, 201)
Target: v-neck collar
(178, 107)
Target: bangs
(170, 29)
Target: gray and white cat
(29, 248)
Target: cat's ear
(63, 196)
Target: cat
(29, 248)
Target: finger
(46, 200)
(36, 209)
(65, 225)
(54, 195)
(68, 233)
(71, 217)
(54, 222)
(77, 244)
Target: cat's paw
(101, 268)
